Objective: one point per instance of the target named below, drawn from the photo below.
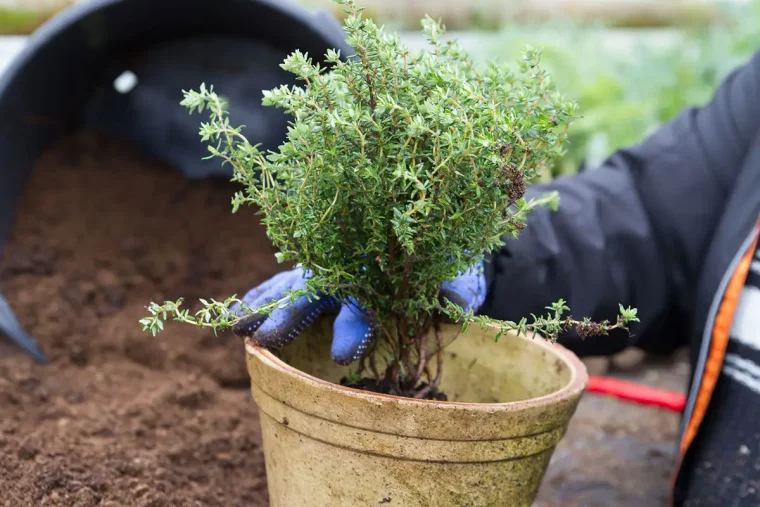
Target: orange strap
(720, 334)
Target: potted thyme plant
(399, 172)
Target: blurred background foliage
(21, 17)
(492, 14)
(627, 82)
(631, 64)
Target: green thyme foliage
(216, 315)
(551, 325)
(399, 170)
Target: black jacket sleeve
(635, 230)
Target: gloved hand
(352, 330)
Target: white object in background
(9, 48)
(597, 150)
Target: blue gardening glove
(352, 330)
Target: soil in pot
(120, 416)
(378, 386)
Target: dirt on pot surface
(122, 418)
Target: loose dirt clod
(120, 416)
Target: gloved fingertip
(352, 335)
(468, 291)
(346, 352)
(247, 326)
(452, 294)
(284, 324)
(273, 337)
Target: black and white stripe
(742, 362)
(725, 456)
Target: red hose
(637, 393)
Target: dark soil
(376, 386)
(122, 418)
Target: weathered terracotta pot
(332, 446)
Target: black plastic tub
(119, 67)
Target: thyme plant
(399, 172)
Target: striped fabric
(727, 449)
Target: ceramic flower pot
(330, 446)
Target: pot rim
(577, 383)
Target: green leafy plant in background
(492, 14)
(399, 172)
(22, 17)
(627, 83)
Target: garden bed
(122, 418)
(120, 415)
